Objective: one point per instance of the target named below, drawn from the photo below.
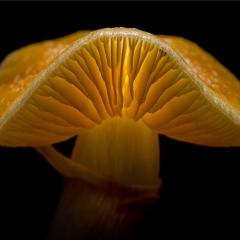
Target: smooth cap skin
(53, 90)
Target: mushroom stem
(89, 212)
(116, 181)
(121, 149)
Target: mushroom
(116, 90)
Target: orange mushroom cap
(53, 90)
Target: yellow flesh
(121, 149)
(75, 83)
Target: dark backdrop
(200, 195)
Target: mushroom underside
(107, 75)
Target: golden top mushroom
(116, 89)
(115, 72)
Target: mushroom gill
(65, 87)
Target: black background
(200, 194)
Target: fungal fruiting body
(116, 89)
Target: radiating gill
(112, 75)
